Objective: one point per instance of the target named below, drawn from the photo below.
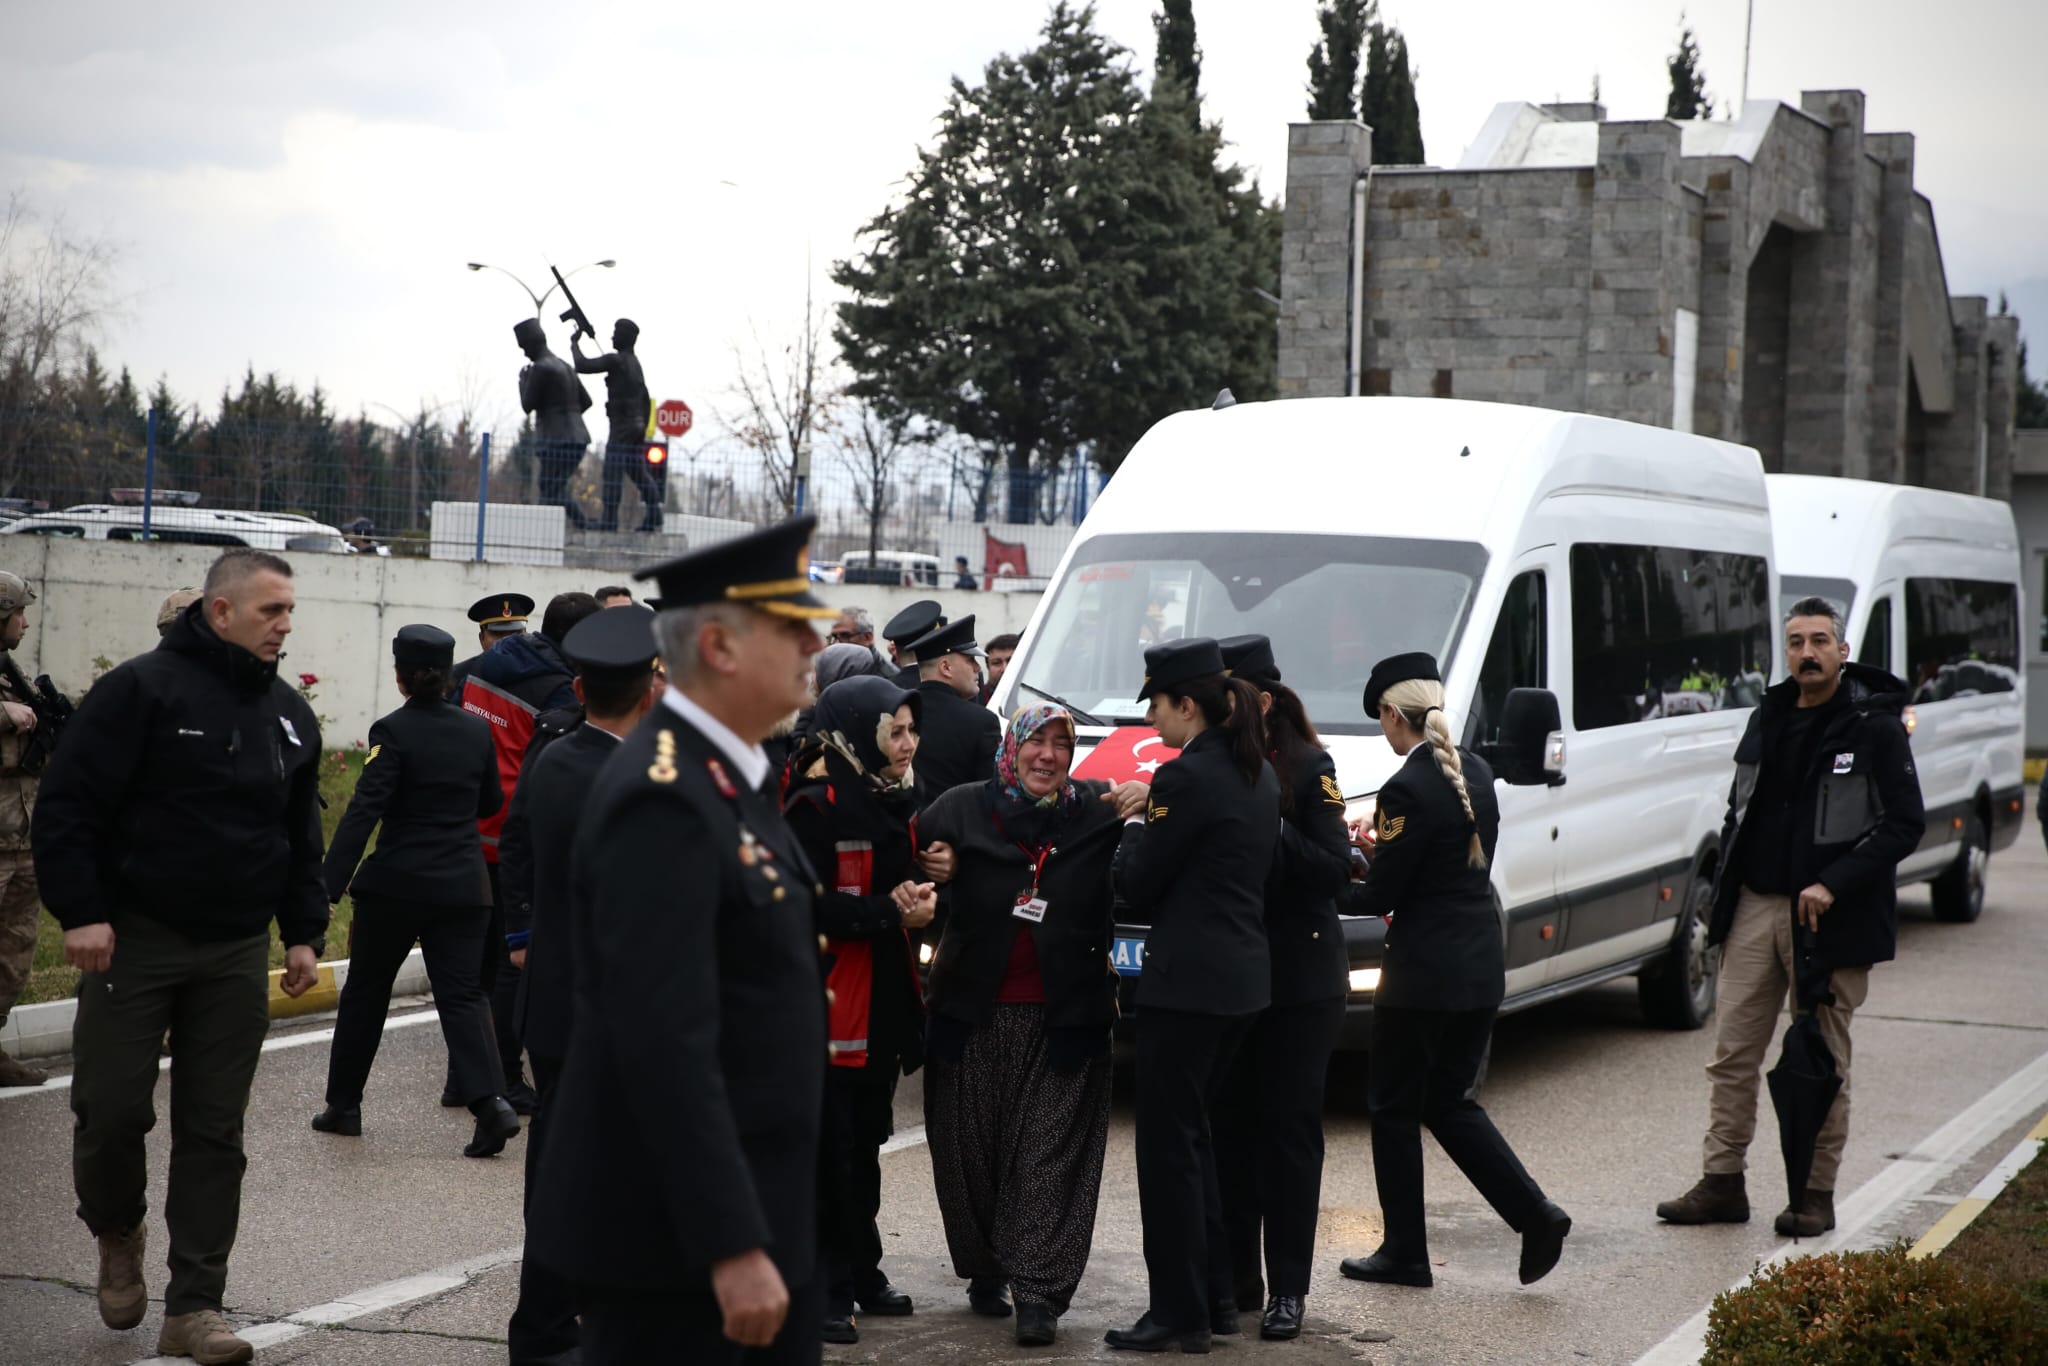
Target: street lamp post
(540, 299)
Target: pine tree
(1177, 57)
(1333, 62)
(1402, 145)
(1689, 98)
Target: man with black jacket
(957, 737)
(1824, 805)
(179, 819)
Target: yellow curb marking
(1948, 1226)
(322, 995)
(1961, 1214)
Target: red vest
(851, 982)
(511, 731)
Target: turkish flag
(1000, 556)
(1126, 754)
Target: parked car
(896, 568)
(185, 526)
(1929, 583)
(1599, 595)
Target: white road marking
(913, 1137)
(1906, 1178)
(282, 1041)
(362, 1303)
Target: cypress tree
(1689, 99)
(1333, 62)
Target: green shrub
(1873, 1309)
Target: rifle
(574, 312)
(53, 712)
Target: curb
(44, 1031)
(1965, 1210)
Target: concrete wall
(100, 599)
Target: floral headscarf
(1030, 719)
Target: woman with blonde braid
(1441, 982)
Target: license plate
(1129, 954)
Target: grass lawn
(52, 979)
(2009, 1241)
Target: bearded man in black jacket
(1825, 804)
(181, 818)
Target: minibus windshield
(1332, 605)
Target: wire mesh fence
(915, 515)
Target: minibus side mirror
(1530, 751)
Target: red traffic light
(657, 453)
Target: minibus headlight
(1365, 979)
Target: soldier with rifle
(31, 717)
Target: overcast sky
(301, 193)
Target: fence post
(483, 491)
(149, 476)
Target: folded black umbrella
(1805, 1081)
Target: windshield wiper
(1080, 715)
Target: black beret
(954, 638)
(1179, 661)
(769, 569)
(1250, 658)
(502, 612)
(420, 644)
(1398, 669)
(920, 618)
(616, 640)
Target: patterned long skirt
(1017, 1157)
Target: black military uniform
(907, 627)
(1269, 1123)
(1441, 984)
(685, 1126)
(501, 615)
(431, 773)
(627, 408)
(1196, 867)
(533, 875)
(958, 737)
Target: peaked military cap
(955, 638)
(502, 613)
(1249, 658)
(1177, 662)
(529, 330)
(1398, 669)
(422, 644)
(769, 569)
(919, 619)
(617, 641)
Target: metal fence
(451, 492)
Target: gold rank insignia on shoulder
(1385, 827)
(1155, 813)
(367, 758)
(1332, 794)
(663, 769)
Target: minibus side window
(1518, 656)
(1659, 631)
(1962, 637)
(1876, 649)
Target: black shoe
(1385, 1270)
(495, 1124)
(449, 1099)
(1251, 1295)
(886, 1303)
(1147, 1336)
(346, 1120)
(1282, 1322)
(1223, 1318)
(523, 1099)
(839, 1330)
(1037, 1325)
(650, 528)
(1543, 1242)
(988, 1297)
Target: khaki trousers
(20, 907)
(1756, 982)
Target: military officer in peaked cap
(677, 1185)
(958, 737)
(496, 616)
(919, 619)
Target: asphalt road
(412, 1249)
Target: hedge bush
(1874, 1309)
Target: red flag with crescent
(1126, 754)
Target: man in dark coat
(614, 657)
(958, 737)
(497, 615)
(1824, 805)
(678, 1181)
(556, 399)
(905, 629)
(627, 410)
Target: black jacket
(1444, 949)
(533, 878)
(990, 870)
(1857, 813)
(530, 667)
(431, 774)
(852, 837)
(957, 740)
(1195, 869)
(1311, 866)
(187, 790)
(685, 1126)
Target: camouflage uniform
(19, 902)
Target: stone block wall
(1324, 162)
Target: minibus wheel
(1677, 991)
(1959, 891)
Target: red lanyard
(1037, 856)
